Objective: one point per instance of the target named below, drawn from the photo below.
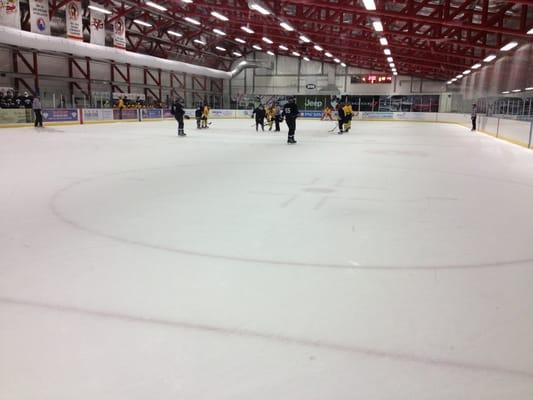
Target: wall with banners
(97, 27)
(74, 14)
(119, 33)
(39, 16)
(10, 13)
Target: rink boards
(515, 131)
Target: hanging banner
(97, 28)
(10, 13)
(39, 19)
(74, 22)
(119, 33)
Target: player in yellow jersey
(205, 114)
(271, 116)
(348, 114)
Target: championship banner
(39, 19)
(119, 33)
(74, 22)
(10, 13)
(97, 27)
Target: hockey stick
(335, 127)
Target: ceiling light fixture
(271, 53)
(390, 59)
(328, 54)
(509, 46)
(192, 21)
(199, 42)
(387, 52)
(102, 10)
(295, 53)
(220, 48)
(369, 4)
(286, 26)
(219, 32)
(240, 40)
(283, 47)
(318, 48)
(219, 16)
(489, 58)
(236, 53)
(476, 66)
(343, 65)
(174, 33)
(383, 41)
(260, 9)
(467, 72)
(378, 26)
(307, 59)
(246, 29)
(156, 6)
(138, 21)
(267, 40)
(257, 47)
(305, 39)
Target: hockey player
(341, 118)
(271, 116)
(290, 113)
(348, 114)
(326, 114)
(277, 116)
(205, 114)
(473, 116)
(178, 112)
(259, 113)
(198, 115)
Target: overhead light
(517, 90)
(267, 40)
(138, 21)
(240, 40)
(307, 59)
(528, 88)
(187, 1)
(392, 65)
(449, 83)
(476, 66)
(337, 60)
(318, 48)
(459, 76)
(343, 65)
(219, 32)
(236, 53)
(244, 62)
(257, 47)
(387, 52)
(530, 32)
(271, 53)
(192, 21)
(156, 6)
(246, 29)
(390, 59)
(283, 47)
(199, 42)
(102, 10)
(328, 54)
(219, 16)
(220, 48)
(489, 58)
(305, 39)
(383, 41)
(393, 69)
(295, 53)
(506, 92)
(454, 79)
(395, 73)
(259, 9)
(174, 33)
(378, 27)
(467, 72)
(509, 46)
(369, 4)
(286, 26)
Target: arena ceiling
(436, 39)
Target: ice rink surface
(391, 263)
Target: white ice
(394, 262)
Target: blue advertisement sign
(310, 114)
(155, 113)
(60, 115)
